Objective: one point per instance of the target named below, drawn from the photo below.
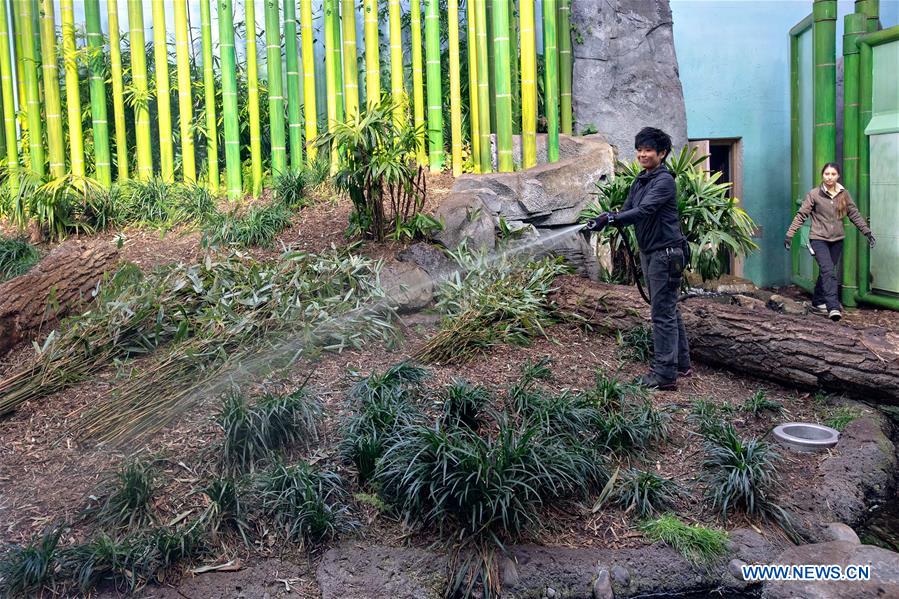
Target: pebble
(602, 586)
(621, 576)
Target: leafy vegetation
(258, 226)
(698, 544)
(840, 417)
(17, 256)
(28, 569)
(759, 403)
(646, 493)
(226, 509)
(463, 404)
(636, 344)
(130, 502)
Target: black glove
(788, 243)
(599, 223)
(871, 240)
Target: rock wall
(625, 71)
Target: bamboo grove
(109, 100)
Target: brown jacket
(826, 225)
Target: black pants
(828, 254)
(663, 270)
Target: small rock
(785, 305)
(407, 285)
(508, 572)
(735, 567)
(602, 586)
(550, 592)
(621, 576)
(837, 531)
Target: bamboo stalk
(551, 80)
(311, 111)
(185, 100)
(212, 153)
(350, 70)
(330, 78)
(19, 61)
(515, 64)
(294, 127)
(397, 88)
(99, 119)
(118, 90)
(337, 52)
(418, 101)
(565, 65)
(372, 60)
(163, 93)
(528, 86)
(473, 108)
(503, 86)
(8, 98)
(139, 81)
(487, 24)
(275, 87)
(483, 88)
(73, 99)
(435, 93)
(52, 104)
(229, 99)
(253, 93)
(455, 86)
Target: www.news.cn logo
(758, 573)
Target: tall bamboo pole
(275, 87)
(491, 62)
(435, 92)
(472, 43)
(502, 54)
(515, 65)
(337, 52)
(824, 31)
(565, 65)
(253, 93)
(163, 98)
(99, 119)
(294, 126)
(32, 97)
(372, 60)
(397, 89)
(350, 70)
(118, 89)
(551, 80)
(854, 25)
(418, 100)
(483, 88)
(18, 62)
(185, 100)
(330, 78)
(528, 86)
(311, 111)
(8, 98)
(52, 103)
(212, 146)
(73, 99)
(139, 81)
(455, 86)
(229, 99)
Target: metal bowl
(806, 436)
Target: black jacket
(651, 206)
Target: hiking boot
(835, 315)
(685, 374)
(654, 381)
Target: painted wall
(734, 59)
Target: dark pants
(663, 270)
(828, 255)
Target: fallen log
(801, 351)
(59, 283)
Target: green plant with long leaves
(17, 256)
(27, 569)
(699, 544)
(646, 493)
(129, 502)
(257, 226)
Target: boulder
(465, 217)
(625, 71)
(408, 286)
(429, 258)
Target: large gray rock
(429, 258)
(625, 71)
(465, 217)
(408, 287)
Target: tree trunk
(801, 351)
(63, 280)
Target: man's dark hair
(655, 139)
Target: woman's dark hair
(654, 139)
(832, 165)
(842, 205)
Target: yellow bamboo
(372, 60)
(528, 86)
(350, 74)
(253, 98)
(418, 100)
(185, 101)
(118, 90)
(163, 98)
(310, 112)
(397, 89)
(473, 85)
(73, 100)
(52, 104)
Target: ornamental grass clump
(464, 404)
(636, 344)
(256, 227)
(17, 256)
(226, 509)
(646, 493)
(159, 204)
(700, 545)
(289, 188)
(27, 569)
(130, 502)
(759, 403)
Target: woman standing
(827, 204)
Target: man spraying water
(651, 206)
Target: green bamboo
(435, 92)
(502, 55)
(253, 92)
(311, 111)
(472, 43)
(73, 99)
(141, 92)
(294, 126)
(99, 118)
(212, 151)
(372, 60)
(350, 71)
(515, 64)
(32, 95)
(229, 99)
(52, 104)
(487, 24)
(397, 88)
(18, 62)
(8, 98)
(854, 26)
(872, 11)
(337, 54)
(163, 98)
(118, 89)
(486, 157)
(418, 100)
(330, 78)
(565, 66)
(455, 85)
(275, 87)
(528, 86)
(824, 32)
(796, 144)
(551, 80)
(185, 101)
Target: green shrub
(399, 379)
(646, 493)
(302, 503)
(226, 508)
(257, 227)
(463, 404)
(632, 428)
(289, 188)
(636, 344)
(700, 545)
(130, 503)
(709, 417)
(157, 203)
(28, 569)
(759, 402)
(17, 256)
